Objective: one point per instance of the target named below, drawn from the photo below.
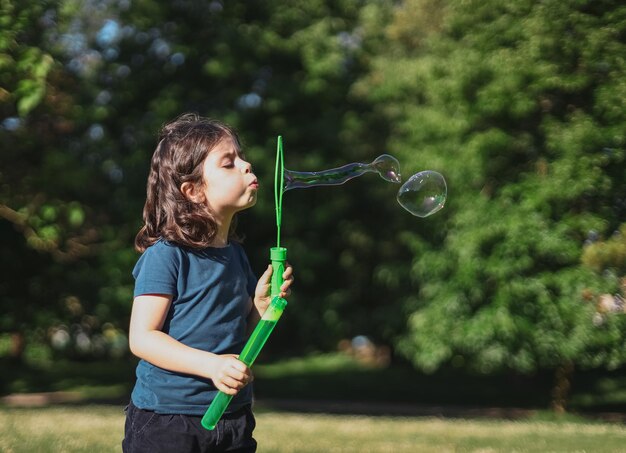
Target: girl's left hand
(262, 293)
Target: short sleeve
(156, 271)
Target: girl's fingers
(286, 284)
(287, 277)
(288, 272)
(231, 383)
(239, 365)
(236, 376)
(235, 383)
(265, 278)
(227, 390)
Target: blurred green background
(519, 283)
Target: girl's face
(229, 184)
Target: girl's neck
(223, 228)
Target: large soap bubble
(423, 194)
(385, 165)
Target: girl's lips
(254, 185)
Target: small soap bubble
(423, 194)
(388, 168)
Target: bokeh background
(512, 294)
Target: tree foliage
(521, 106)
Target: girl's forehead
(226, 145)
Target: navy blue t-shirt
(210, 290)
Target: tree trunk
(562, 384)
(18, 344)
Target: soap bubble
(388, 168)
(423, 194)
(385, 165)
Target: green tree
(522, 107)
(52, 185)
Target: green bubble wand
(278, 257)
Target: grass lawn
(99, 428)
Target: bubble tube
(262, 331)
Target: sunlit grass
(62, 429)
(324, 433)
(100, 429)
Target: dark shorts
(147, 431)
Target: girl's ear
(191, 192)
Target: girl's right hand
(229, 374)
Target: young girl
(196, 299)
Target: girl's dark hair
(179, 156)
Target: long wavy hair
(179, 156)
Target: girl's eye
(228, 165)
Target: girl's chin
(251, 202)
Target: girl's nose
(247, 167)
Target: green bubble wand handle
(278, 257)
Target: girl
(196, 299)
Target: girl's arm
(148, 342)
(262, 297)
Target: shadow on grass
(68, 382)
(335, 383)
(332, 377)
